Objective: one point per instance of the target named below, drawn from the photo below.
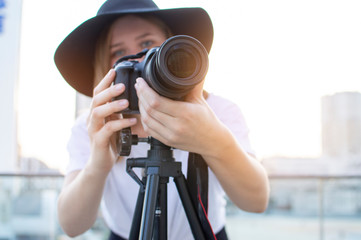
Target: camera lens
(181, 62)
(176, 67)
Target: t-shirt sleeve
(230, 114)
(78, 145)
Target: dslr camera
(172, 70)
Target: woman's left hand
(188, 125)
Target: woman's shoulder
(221, 105)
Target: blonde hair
(102, 53)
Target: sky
(275, 59)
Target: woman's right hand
(103, 122)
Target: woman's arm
(192, 126)
(242, 176)
(80, 197)
(79, 201)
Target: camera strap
(197, 181)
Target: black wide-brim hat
(74, 57)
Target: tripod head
(158, 154)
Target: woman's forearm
(242, 177)
(79, 200)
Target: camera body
(127, 72)
(172, 70)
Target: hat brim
(74, 57)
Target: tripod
(150, 216)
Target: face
(131, 34)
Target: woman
(203, 123)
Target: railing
(28, 208)
(325, 183)
(319, 207)
(301, 207)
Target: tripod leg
(134, 231)
(189, 208)
(160, 221)
(161, 213)
(150, 201)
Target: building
(341, 125)
(315, 182)
(10, 21)
(341, 141)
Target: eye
(118, 53)
(146, 44)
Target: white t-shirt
(121, 191)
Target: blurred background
(293, 67)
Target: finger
(152, 100)
(164, 135)
(99, 114)
(114, 126)
(148, 120)
(161, 130)
(105, 82)
(151, 111)
(107, 95)
(155, 131)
